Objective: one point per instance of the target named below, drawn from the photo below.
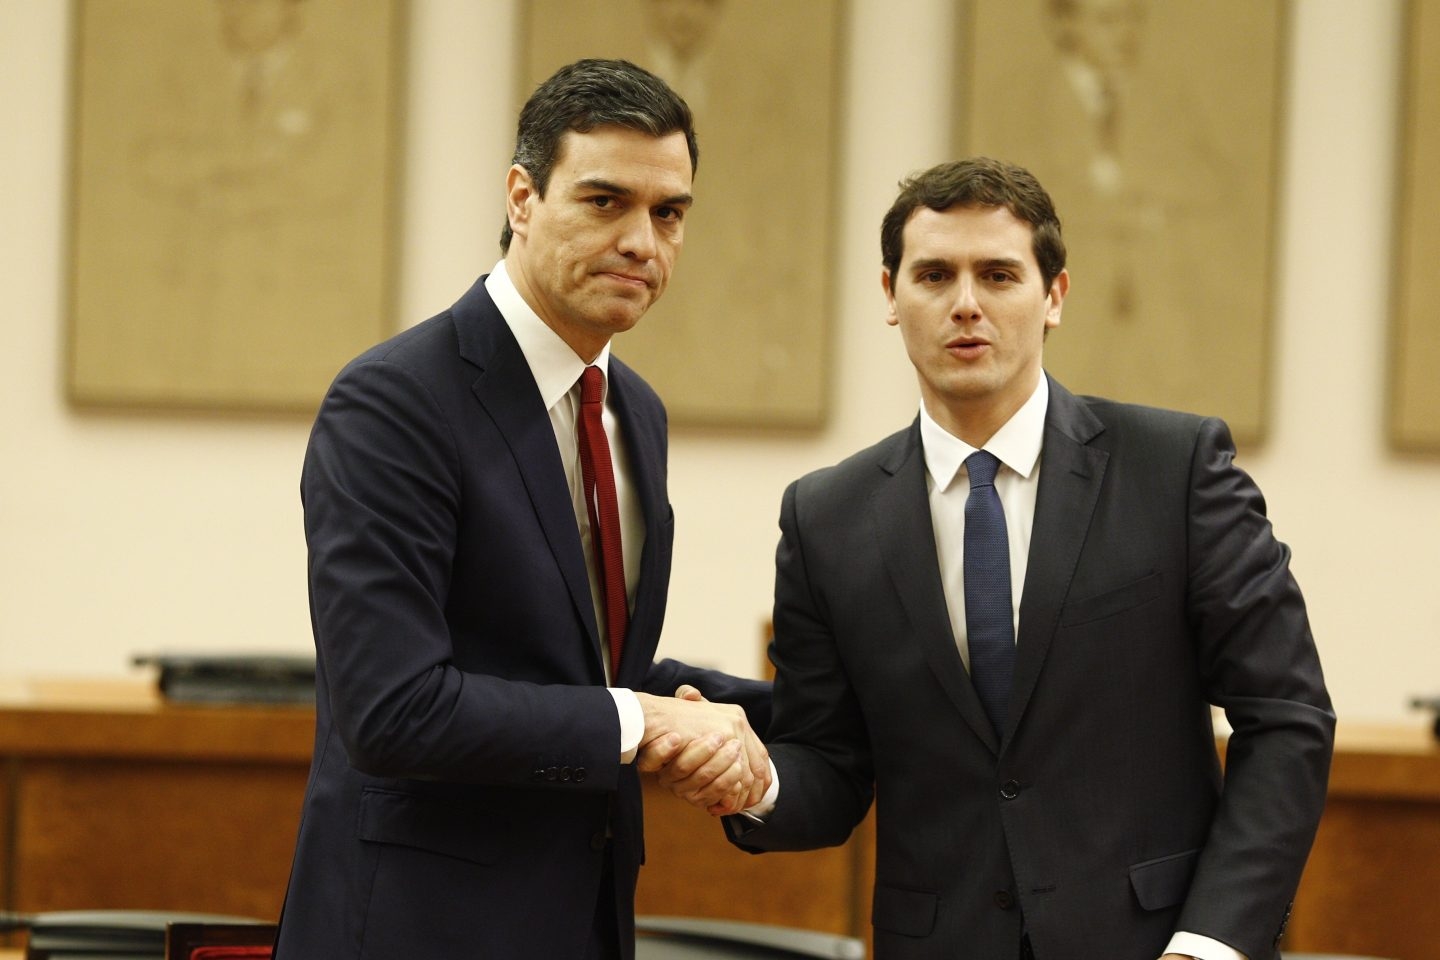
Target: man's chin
(625, 313)
(619, 321)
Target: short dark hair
(977, 182)
(589, 94)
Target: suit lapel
(1071, 474)
(506, 390)
(900, 519)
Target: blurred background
(124, 531)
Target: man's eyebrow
(598, 183)
(615, 189)
(925, 264)
(1009, 263)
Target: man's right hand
(705, 753)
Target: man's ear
(1059, 287)
(890, 316)
(520, 199)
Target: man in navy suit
(474, 791)
(1043, 769)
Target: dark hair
(977, 182)
(589, 94)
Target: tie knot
(592, 385)
(982, 466)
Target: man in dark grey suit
(485, 679)
(1056, 794)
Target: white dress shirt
(556, 369)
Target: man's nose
(637, 236)
(966, 306)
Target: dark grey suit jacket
(1099, 824)
(466, 786)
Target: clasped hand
(705, 753)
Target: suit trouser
(604, 934)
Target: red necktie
(599, 479)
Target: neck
(977, 421)
(587, 348)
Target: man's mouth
(627, 278)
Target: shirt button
(1004, 900)
(1010, 789)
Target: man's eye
(603, 202)
(931, 276)
(671, 214)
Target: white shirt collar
(553, 364)
(1016, 444)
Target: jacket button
(578, 774)
(564, 774)
(538, 773)
(1010, 789)
(1004, 900)
(597, 841)
(552, 773)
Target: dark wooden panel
(115, 799)
(118, 834)
(9, 772)
(691, 870)
(1369, 887)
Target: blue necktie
(988, 618)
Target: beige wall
(126, 533)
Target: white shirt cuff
(762, 808)
(632, 722)
(1194, 945)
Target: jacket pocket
(445, 827)
(1111, 602)
(907, 912)
(1163, 882)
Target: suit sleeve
(818, 739)
(1258, 661)
(382, 495)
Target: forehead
(967, 233)
(625, 157)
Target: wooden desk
(111, 798)
(692, 870)
(1369, 887)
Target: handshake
(705, 753)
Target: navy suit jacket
(466, 784)
(1099, 823)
